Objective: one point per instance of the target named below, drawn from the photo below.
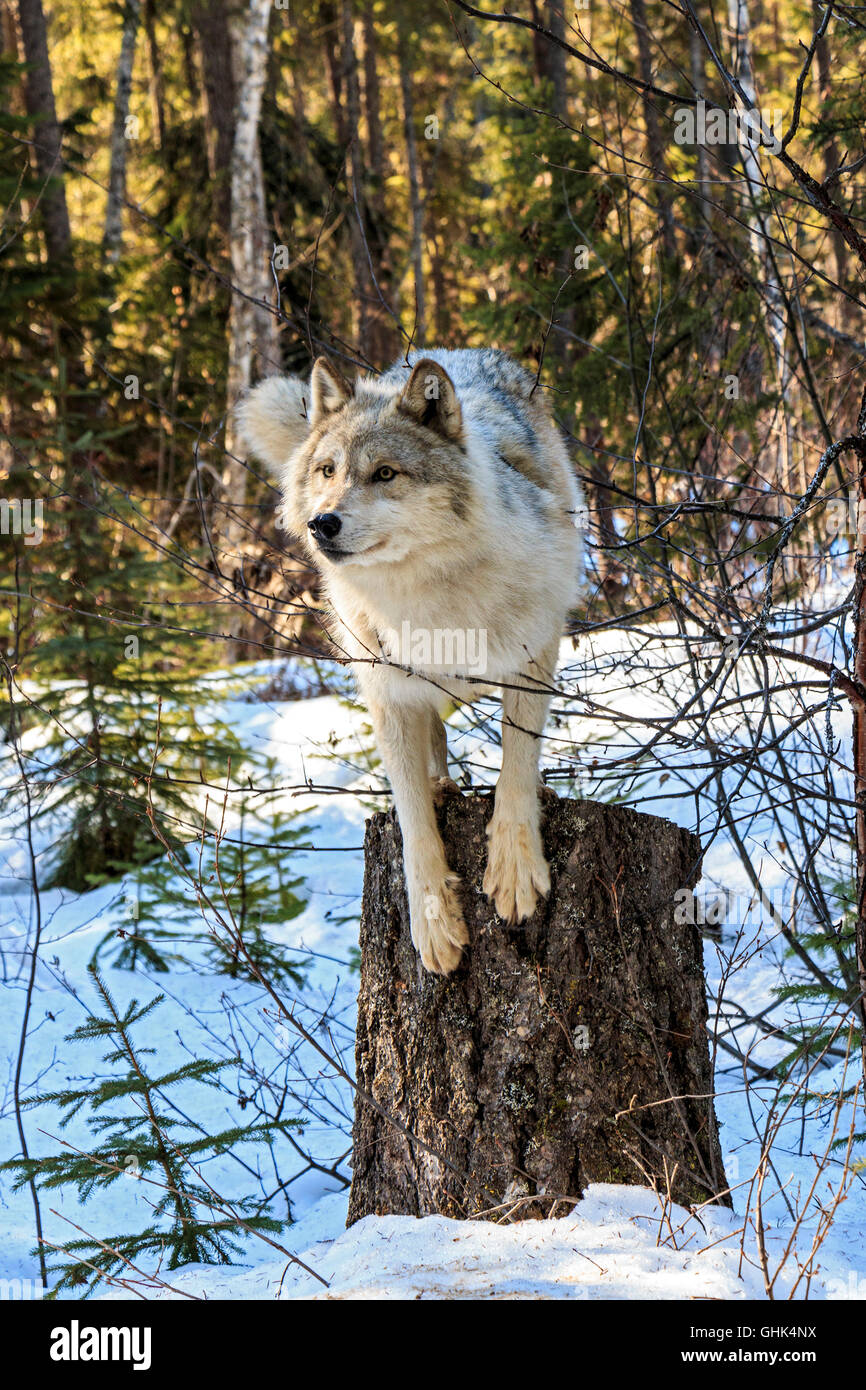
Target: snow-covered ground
(611, 1246)
(618, 1243)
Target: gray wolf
(437, 498)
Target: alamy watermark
(21, 1290)
(730, 909)
(854, 1287)
(22, 519)
(77, 1343)
(462, 649)
(717, 125)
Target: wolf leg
(517, 871)
(442, 784)
(438, 748)
(403, 734)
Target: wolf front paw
(438, 929)
(517, 873)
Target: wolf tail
(272, 418)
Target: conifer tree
(140, 1136)
(244, 870)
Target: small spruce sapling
(139, 1134)
(243, 873)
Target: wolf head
(370, 472)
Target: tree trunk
(39, 97)
(698, 80)
(354, 170)
(831, 162)
(858, 705)
(252, 329)
(330, 28)
(372, 111)
(550, 66)
(655, 143)
(549, 58)
(384, 339)
(419, 335)
(112, 236)
(569, 1050)
(156, 83)
(761, 237)
(213, 40)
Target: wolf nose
(325, 526)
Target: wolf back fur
(437, 498)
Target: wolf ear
(272, 418)
(328, 389)
(430, 399)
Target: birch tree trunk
(112, 236)
(743, 70)
(39, 99)
(252, 328)
(568, 1050)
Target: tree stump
(537, 1066)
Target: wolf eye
(383, 474)
(328, 470)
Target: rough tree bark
(569, 1050)
(47, 145)
(210, 21)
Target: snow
(618, 1243)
